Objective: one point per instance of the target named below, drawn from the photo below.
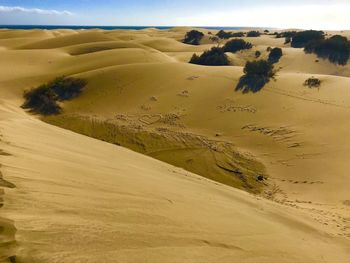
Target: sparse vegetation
(43, 99)
(223, 35)
(286, 34)
(275, 55)
(235, 45)
(301, 39)
(193, 37)
(253, 34)
(213, 57)
(336, 49)
(226, 35)
(312, 82)
(237, 34)
(257, 74)
(257, 54)
(214, 39)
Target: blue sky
(320, 14)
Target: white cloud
(18, 9)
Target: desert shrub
(226, 35)
(257, 54)
(237, 34)
(266, 31)
(213, 57)
(312, 82)
(259, 68)
(257, 74)
(223, 35)
(336, 49)
(286, 34)
(287, 40)
(43, 99)
(253, 34)
(214, 39)
(301, 39)
(67, 88)
(275, 55)
(193, 37)
(339, 38)
(235, 45)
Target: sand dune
(80, 199)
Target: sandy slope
(82, 200)
(102, 203)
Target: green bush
(257, 54)
(301, 39)
(213, 57)
(43, 99)
(235, 45)
(223, 35)
(312, 82)
(257, 74)
(336, 49)
(253, 34)
(259, 68)
(275, 55)
(193, 37)
(67, 88)
(226, 35)
(237, 34)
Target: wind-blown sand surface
(77, 199)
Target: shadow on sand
(252, 84)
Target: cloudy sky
(320, 14)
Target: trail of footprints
(298, 182)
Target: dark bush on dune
(286, 34)
(226, 35)
(213, 57)
(193, 37)
(312, 82)
(44, 99)
(275, 55)
(235, 45)
(215, 39)
(257, 54)
(237, 34)
(253, 34)
(41, 100)
(259, 68)
(301, 39)
(223, 35)
(67, 88)
(257, 74)
(336, 49)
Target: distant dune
(215, 175)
